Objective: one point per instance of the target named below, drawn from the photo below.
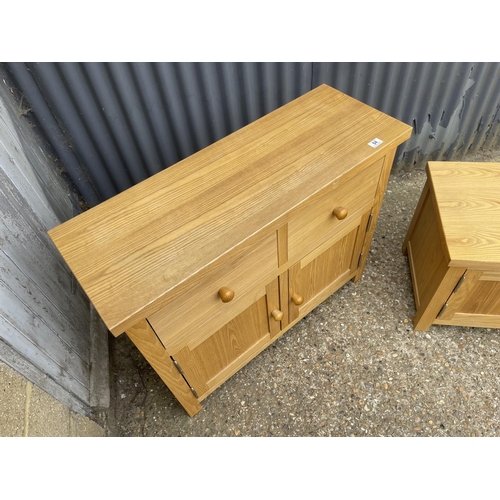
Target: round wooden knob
(340, 212)
(297, 299)
(277, 314)
(226, 294)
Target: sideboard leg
(145, 339)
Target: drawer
(197, 313)
(314, 222)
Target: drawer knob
(277, 314)
(297, 299)
(340, 212)
(226, 294)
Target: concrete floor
(353, 367)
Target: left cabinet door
(206, 365)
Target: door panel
(312, 281)
(206, 365)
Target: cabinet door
(475, 301)
(208, 364)
(326, 269)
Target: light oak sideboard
(206, 263)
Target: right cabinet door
(320, 273)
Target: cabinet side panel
(433, 280)
(416, 215)
(377, 204)
(145, 339)
(428, 261)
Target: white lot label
(376, 142)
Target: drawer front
(193, 316)
(314, 221)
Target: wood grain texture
(273, 307)
(282, 237)
(453, 246)
(283, 291)
(200, 312)
(467, 199)
(428, 263)
(145, 339)
(490, 275)
(132, 251)
(459, 295)
(310, 279)
(474, 320)
(375, 211)
(215, 359)
(483, 298)
(313, 222)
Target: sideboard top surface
(467, 195)
(137, 246)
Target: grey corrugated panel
(87, 106)
(124, 140)
(482, 121)
(444, 102)
(66, 104)
(127, 121)
(47, 122)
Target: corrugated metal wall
(114, 124)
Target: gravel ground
(353, 367)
